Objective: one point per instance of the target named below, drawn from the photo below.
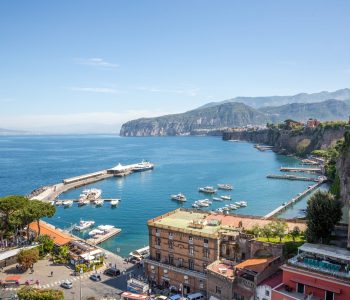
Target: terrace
(325, 259)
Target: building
(312, 123)
(317, 272)
(184, 242)
(264, 288)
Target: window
(191, 250)
(158, 241)
(206, 252)
(171, 260)
(218, 290)
(170, 244)
(300, 288)
(204, 267)
(267, 293)
(238, 296)
(191, 264)
(206, 241)
(157, 230)
(181, 262)
(329, 295)
(157, 256)
(171, 234)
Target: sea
(182, 164)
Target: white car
(67, 284)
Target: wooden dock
(293, 177)
(100, 238)
(295, 169)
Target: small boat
(105, 228)
(179, 197)
(225, 197)
(195, 205)
(98, 202)
(225, 186)
(95, 232)
(203, 203)
(84, 225)
(67, 203)
(59, 202)
(243, 203)
(83, 202)
(225, 208)
(115, 202)
(220, 210)
(91, 194)
(207, 190)
(217, 199)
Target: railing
(184, 271)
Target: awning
(319, 286)
(133, 296)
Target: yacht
(241, 203)
(179, 197)
(115, 202)
(225, 197)
(59, 202)
(98, 202)
(207, 190)
(67, 203)
(95, 232)
(84, 225)
(203, 203)
(105, 228)
(143, 166)
(91, 194)
(82, 202)
(195, 205)
(217, 199)
(225, 186)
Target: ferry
(225, 186)
(67, 203)
(207, 190)
(225, 197)
(115, 202)
(143, 166)
(179, 197)
(84, 225)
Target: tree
(63, 253)
(29, 293)
(323, 212)
(279, 229)
(256, 229)
(267, 231)
(40, 210)
(27, 258)
(295, 233)
(47, 244)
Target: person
(51, 273)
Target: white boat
(207, 190)
(225, 186)
(179, 197)
(143, 166)
(115, 202)
(82, 202)
(141, 253)
(203, 203)
(217, 199)
(195, 205)
(95, 232)
(225, 208)
(84, 225)
(91, 194)
(105, 228)
(67, 203)
(59, 202)
(98, 202)
(225, 197)
(243, 203)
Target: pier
(263, 147)
(100, 238)
(293, 177)
(307, 170)
(50, 193)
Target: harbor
(100, 238)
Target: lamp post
(81, 272)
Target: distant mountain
(342, 94)
(233, 114)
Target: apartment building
(184, 242)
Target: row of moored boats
(100, 230)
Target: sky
(89, 66)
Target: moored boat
(207, 190)
(115, 202)
(179, 197)
(84, 225)
(98, 202)
(225, 186)
(67, 203)
(143, 166)
(225, 197)
(217, 199)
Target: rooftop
(59, 237)
(274, 280)
(326, 250)
(223, 268)
(256, 265)
(210, 223)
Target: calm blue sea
(182, 164)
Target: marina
(102, 237)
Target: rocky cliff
(343, 169)
(286, 141)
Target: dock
(295, 199)
(263, 147)
(293, 177)
(77, 200)
(100, 238)
(301, 169)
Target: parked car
(112, 272)
(95, 277)
(67, 284)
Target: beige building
(184, 242)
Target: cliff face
(289, 141)
(343, 170)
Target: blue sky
(91, 65)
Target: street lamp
(81, 272)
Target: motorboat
(84, 225)
(91, 194)
(179, 197)
(225, 186)
(115, 202)
(105, 228)
(241, 203)
(143, 166)
(195, 205)
(203, 203)
(98, 202)
(207, 190)
(82, 202)
(217, 199)
(225, 197)
(59, 202)
(67, 203)
(95, 232)
(220, 210)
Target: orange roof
(255, 264)
(60, 238)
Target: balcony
(281, 290)
(181, 270)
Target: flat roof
(181, 219)
(222, 268)
(13, 252)
(326, 250)
(256, 265)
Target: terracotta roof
(274, 280)
(60, 238)
(256, 265)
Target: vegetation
(27, 258)
(46, 245)
(29, 293)
(276, 232)
(323, 212)
(62, 255)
